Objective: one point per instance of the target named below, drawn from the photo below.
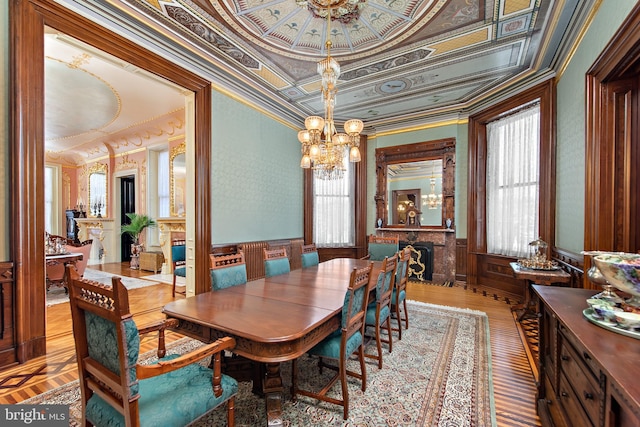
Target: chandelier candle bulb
(354, 155)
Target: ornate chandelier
(323, 147)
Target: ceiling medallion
(343, 11)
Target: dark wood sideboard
(589, 376)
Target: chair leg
(173, 289)
(390, 342)
(406, 314)
(396, 310)
(363, 368)
(231, 412)
(379, 343)
(377, 331)
(345, 391)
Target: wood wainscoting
(326, 254)
(494, 271)
(8, 354)
(254, 253)
(573, 264)
(461, 260)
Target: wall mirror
(417, 184)
(178, 180)
(420, 175)
(97, 190)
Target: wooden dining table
(274, 319)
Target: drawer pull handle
(586, 356)
(564, 394)
(564, 357)
(588, 396)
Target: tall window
(49, 182)
(163, 184)
(333, 210)
(512, 182)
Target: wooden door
(127, 205)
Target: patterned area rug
(57, 295)
(438, 375)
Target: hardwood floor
(513, 380)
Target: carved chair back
(276, 262)
(228, 270)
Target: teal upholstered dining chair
(116, 390)
(276, 262)
(399, 294)
(178, 261)
(343, 343)
(379, 311)
(310, 255)
(381, 247)
(228, 270)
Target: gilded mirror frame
(444, 149)
(97, 168)
(175, 152)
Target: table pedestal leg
(273, 388)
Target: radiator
(254, 257)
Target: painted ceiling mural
(398, 57)
(403, 63)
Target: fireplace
(438, 243)
(421, 263)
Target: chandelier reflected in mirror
(323, 147)
(432, 200)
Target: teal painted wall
(571, 102)
(256, 178)
(457, 131)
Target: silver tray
(544, 268)
(588, 313)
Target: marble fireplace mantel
(105, 236)
(174, 227)
(444, 247)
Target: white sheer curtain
(333, 210)
(513, 152)
(49, 181)
(163, 184)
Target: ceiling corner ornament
(343, 11)
(323, 148)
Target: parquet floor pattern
(513, 380)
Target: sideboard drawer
(581, 380)
(571, 404)
(585, 356)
